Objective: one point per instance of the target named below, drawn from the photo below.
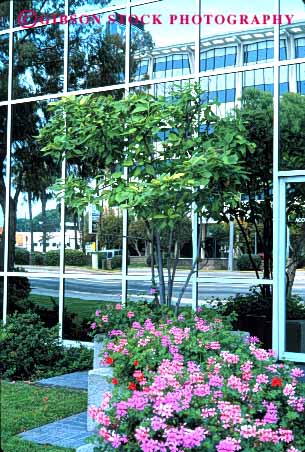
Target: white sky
(170, 34)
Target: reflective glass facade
(108, 53)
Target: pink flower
(248, 431)
(118, 307)
(289, 390)
(142, 434)
(152, 291)
(297, 373)
(262, 378)
(98, 313)
(130, 314)
(93, 326)
(228, 445)
(213, 346)
(286, 435)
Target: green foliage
(244, 262)
(30, 350)
(72, 257)
(110, 232)
(22, 256)
(51, 222)
(37, 258)
(52, 258)
(116, 262)
(75, 257)
(18, 290)
(196, 161)
(257, 305)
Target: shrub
(255, 304)
(52, 258)
(116, 262)
(30, 350)
(192, 385)
(37, 258)
(18, 291)
(244, 263)
(75, 257)
(22, 256)
(72, 257)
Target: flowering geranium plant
(116, 316)
(192, 386)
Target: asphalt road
(110, 290)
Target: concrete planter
(99, 341)
(98, 385)
(244, 335)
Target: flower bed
(188, 384)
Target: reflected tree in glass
(38, 61)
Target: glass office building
(41, 63)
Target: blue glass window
(300, 48)
(218, 58)
(301, 78)
(263, 51)
(261, 79)
(219, 87)
(171, 65)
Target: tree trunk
(160, 269)
(2, 205)
(135, 243)
(193, 269)
(290, 275)
(75, 231)
(12, 233)
(43, 196)
(31, 220)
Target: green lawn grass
(25, 406)
(83, 308)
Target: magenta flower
(93, 326)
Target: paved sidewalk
(76, 380)
(69, 432)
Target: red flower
(277, 382)
(132, 386)
(109, 360)
(115, 381)
(136, 363)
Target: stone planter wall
(98, 385)
(98, 347)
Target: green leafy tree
(255, 206)
(178, 154)
(110, 231)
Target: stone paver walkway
(69, 432)
(76, 380)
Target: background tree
(110, 231)
(255, 205)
